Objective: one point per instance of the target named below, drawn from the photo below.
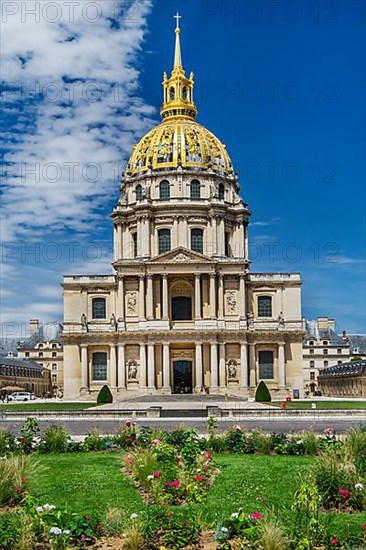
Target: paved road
(82, 427)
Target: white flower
(66, 532)
(235, 515)
(134, 516)
(48, 507)
(150, 477)
(300, 441)
(39, 509)
(198, 470)
(195, 487)
(224, 529)
(359, 486)
(55, 531)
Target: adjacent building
(181, 311)
(344, 380)
(322, 348)
(45, 346)
(25, 374)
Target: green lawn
(91, 483)
(43, 407)
(88, 483)
(322, 405)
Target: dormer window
(311, 342)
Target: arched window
(164, 240)
(326, 363)
(265, 365)
(99, 366)
(138, 192)
(221, 191)
(99, 309)
(197, 240)
(185, 92)
(171, 93)
(164, 190)
(264, 306)
(195, 189)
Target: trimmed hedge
(262, 394)
(105, 395)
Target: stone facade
(181, 312)
(345, 380)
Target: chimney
(33, 326)
(344, 336)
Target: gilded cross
(177, 17)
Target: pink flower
(344, 493)
(100, 527)
(155, 442)
(18, 489)
(363, 526)
(175, 483)
(334, 540)
(128, 459)
(156, 474)
(248, 441)
(236, 427)
(256, 515)
(207, 455)
(199, 478)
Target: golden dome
(179, 140)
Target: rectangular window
(99, 366)
(26, 354)
(312, 376)
(311, 351)
(266, 365)
(339, 351)
(264, 306)
(164, 240)
(134, 245)
(197, 240)
(54, 378)
(325, 352)
(40, 354)
(54, 354)
(99, 308)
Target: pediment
(181, 254)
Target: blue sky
(281, 84)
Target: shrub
(355, 447)
(7, 442)
(311, 442)
(308, 529)
(176, 528)
(180, 436)
(272, 536)
(234, 440)
(54, 440)
(95, 442)
(9, 530)
(114, 522)
(261, 441)
(27, 435)
(15, 474)
(262, 394)
(105, 395)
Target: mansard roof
(354, 368)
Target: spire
(178, 89)
(177, 53)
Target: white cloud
(97, 71)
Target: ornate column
(197, 296)
(214, 371)
(221, 296)
(175, 235)
(84, 366)
(113, 366)
(198, 365)
(252, 366)
(165, 298)
(121, 378)
(242, 305)
(166, 367)
(222, 366)
(142, 297)
(213, 236)
(150, 297)
(151, 366)
(244, 365)
(213, 295)
(121, 298)
(281, 365)
(142, 376)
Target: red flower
(100, 527)
(363, 526)
(18, 489)
(23, 480)
(248, 441)
(129, 439)
(199, 478)
(175, 483)
(157, 474)
(207, 455)
(25, 440)
(256, 515)
(344, 493)
(334, 540)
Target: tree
(105, 395)
(262, 394)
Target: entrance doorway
(182, 377)
(181, 308)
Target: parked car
(20, 396)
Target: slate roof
(16, 362)
(48, 332)
(8, 345)
(357, 341)
(354, 368)
(313, 331)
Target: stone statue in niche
(113, 322)
(250, 319)
(231, 301)
(132, 371)
(232, 370)
(281, 320)
(131, 303)
(84, 322)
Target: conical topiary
(105, 395)
(262, 394)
